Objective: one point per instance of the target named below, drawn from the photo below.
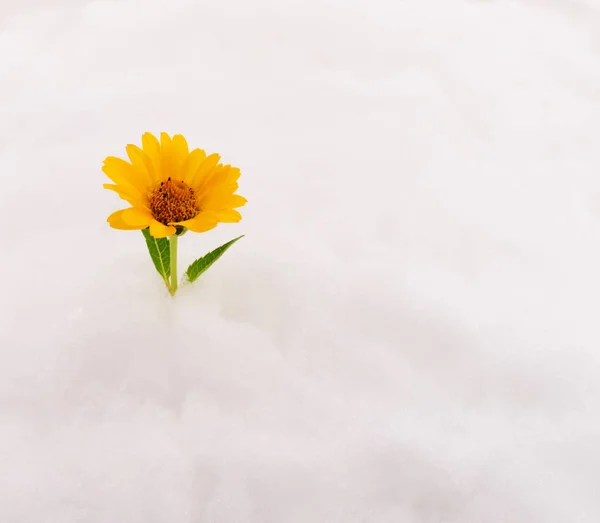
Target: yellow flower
(166, 185)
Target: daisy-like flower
(171, 189)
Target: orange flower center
(173, 201)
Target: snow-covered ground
(409, 331)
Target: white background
(407, 333)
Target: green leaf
(159, 252)
(202, 264)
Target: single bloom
(167, 185)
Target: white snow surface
(407, 333)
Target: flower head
(167, 185)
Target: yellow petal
(165, 140)
(179, 153)
(167, 157)
(215, 183)
(229, 216)
(205, 221)
(191, 164)
(123, 173)
(125, 194)
(142, 164)
(158, 230)
(151, 147)
(116, 221)
(230, 187)
(204, 170)
(218, 175)
(233, 174)
(180, 147)
(138, 216)
(218, 188)
(217, 198)
(235, 200)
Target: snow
(407, 333)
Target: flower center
(173, 201)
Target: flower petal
(191, 164)
(158, 230)
(143, 165)
(205, 221)
(125, 194)
(229, 216)
(235, 200)
(167, 157)
(204, 170)
(179, 153)
(123, 173)
(180, 146)
(233, 174)
(151, 147)
(138, 216)
(215, 182)
(220, 198)
(116, 221)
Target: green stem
(173, 252)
